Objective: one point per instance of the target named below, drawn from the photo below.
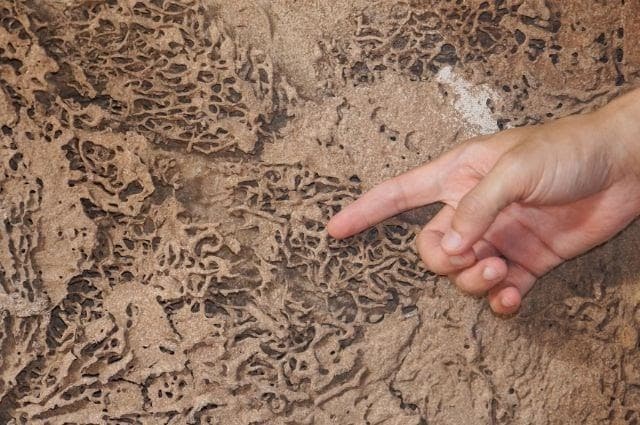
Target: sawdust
(166, 172)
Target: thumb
(478, 209)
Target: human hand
(517, 203)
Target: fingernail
(489, 273)
(452, 241)
(508, 302)
(458, 261)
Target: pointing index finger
(412, 189)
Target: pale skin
(517, 203)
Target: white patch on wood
(470, 101)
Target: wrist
(619, 122)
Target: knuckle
(469, 286)
(511, 156)
(509, 164)
(399, 194)
(462, 283)
(430, 263)
(429, 255)
(514, 169)
(512, 160)
(475, 147)
(439, 268)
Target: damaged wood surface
(166, 172)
